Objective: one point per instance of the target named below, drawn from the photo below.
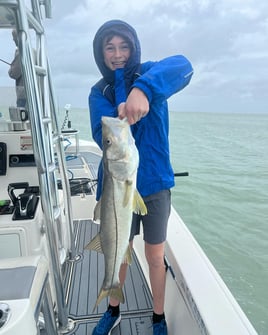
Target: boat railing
(46, 136)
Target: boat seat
(23, 295)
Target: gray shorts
(155, 222)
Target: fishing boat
(48, 176)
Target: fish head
(120, 155)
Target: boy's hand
(135, 107)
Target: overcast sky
(226, 41)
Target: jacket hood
(123, 29)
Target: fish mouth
(119, 160)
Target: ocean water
(224, 200)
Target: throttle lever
(16, 186)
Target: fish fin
(128, 256)
(97, 211)
(95, 244)
(115, 292)
(138, 204)
(127, 193)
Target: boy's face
(116, 52)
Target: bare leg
(157, 272)
(122, 278)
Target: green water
(224, 201)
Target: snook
(118, 201)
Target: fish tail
(115, 292)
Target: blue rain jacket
(158, 80)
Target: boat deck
(83, 277)
(83, 281)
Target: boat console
(17, 162)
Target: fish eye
(108, 141)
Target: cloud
(226, 41)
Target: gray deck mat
(84, 279)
